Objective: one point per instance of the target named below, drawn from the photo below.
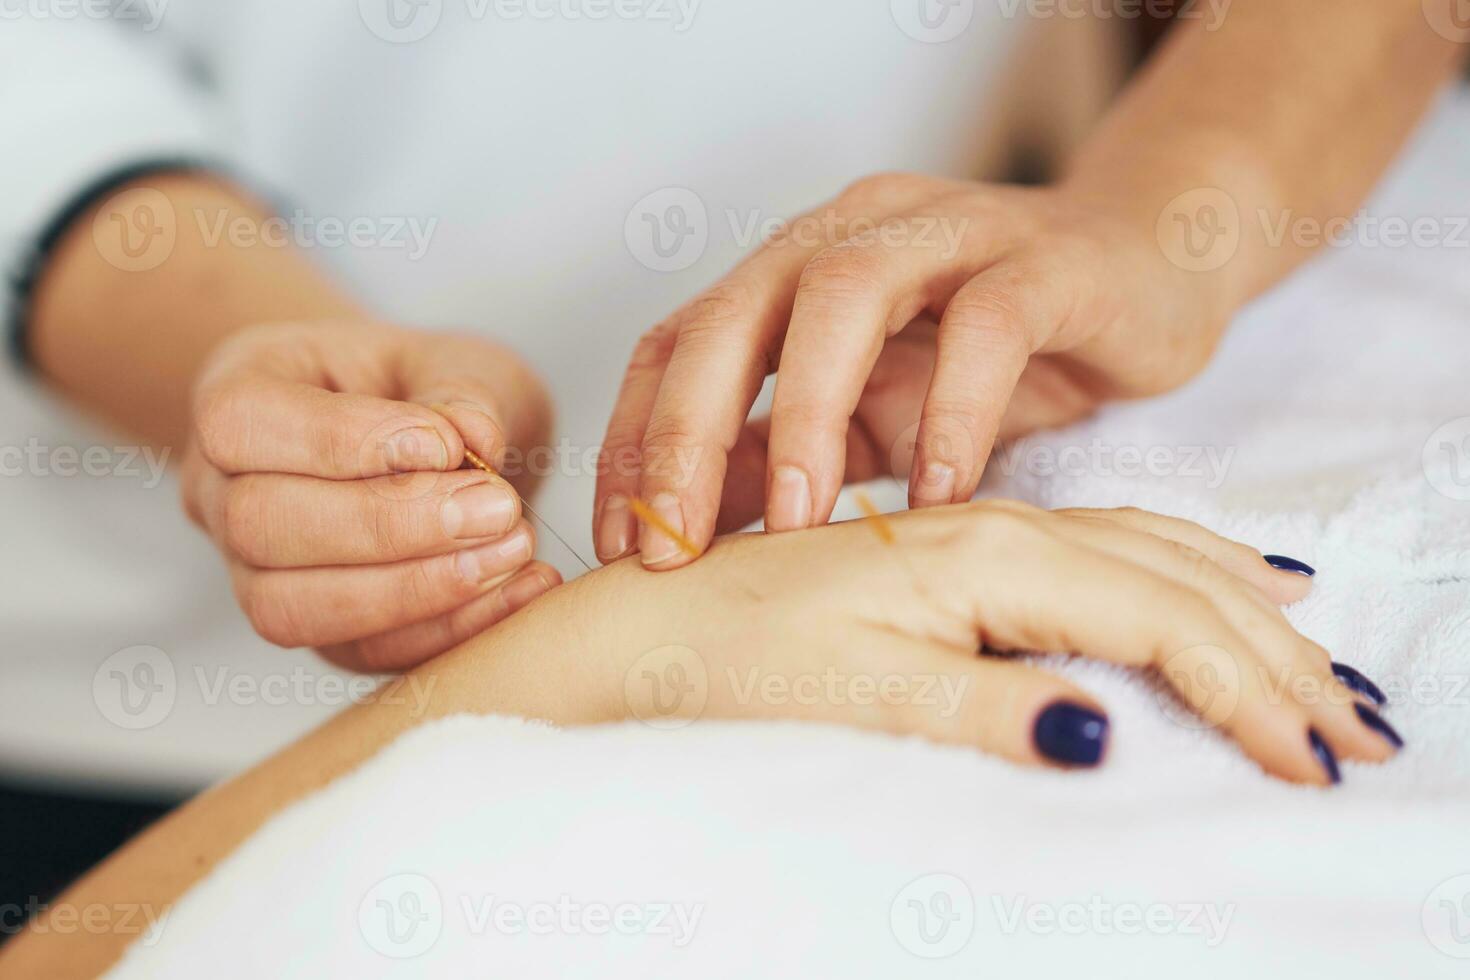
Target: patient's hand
(842, 624)
(324, 460)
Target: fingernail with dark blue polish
(1324, 755)
(1285, 564)
(1362, 685)
(1071, 734)
(1370, 718)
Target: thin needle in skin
(875, 517)
(645, 514)
(479, 463)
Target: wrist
(140, 288)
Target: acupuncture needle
(480, 464)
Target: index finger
(254, 422)
(719, 360)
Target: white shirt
(503, 165)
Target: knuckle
(220, 418)
(990, 315)
(883, 188)
(1195, 568)
(390, 528)
(727, 305)
(667, 432)
(954, 413)
(190, 491)
(653, 349)
(336, 440)
(1194, 619)
(842, 273)
(623, 439)
(980, 527)
(669, 447)
(243, 520)
(425, 584)
(270, 613)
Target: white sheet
(796, 851)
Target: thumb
(492, 398)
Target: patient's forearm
(519, 668)
(1292, 109)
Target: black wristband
(23, 284)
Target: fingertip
(1071, 733)
(789, 503)
(416, 440)
(1287, 580)
(663, 542)
(932, 484)
(528, 585)
(476, 428)
(616, 532)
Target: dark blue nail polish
(1357, 682)
(1286, 564)
(1370, 718)
(1324, 755)
(1071, 734)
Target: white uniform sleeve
(81, 98)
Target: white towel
(1338, 411)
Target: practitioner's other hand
(1048, 301)
(881, 625)
(325, 461)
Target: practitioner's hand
(324, 460)
(1044, 289)
(880, 626)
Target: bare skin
(888, 607)
(320, 448)
(1048, 301)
